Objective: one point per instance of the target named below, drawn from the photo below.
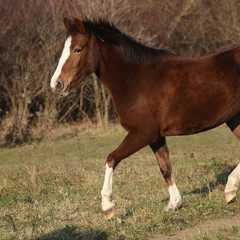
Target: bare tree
(32, 32)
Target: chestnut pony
(155, 94)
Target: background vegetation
(31, 34)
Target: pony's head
(78, 58)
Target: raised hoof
(109, 213)
(230, 196)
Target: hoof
(109, 213)
(230, 196)
(173, 206)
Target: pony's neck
(113, 69)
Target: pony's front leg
(107, 191)
(232, 184)
(133, 142)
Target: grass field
(52, 190)
(222, 234)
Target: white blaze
(63, 58)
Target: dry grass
(52, 190)
(223, 233)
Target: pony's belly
(188, 126)
(185, 130)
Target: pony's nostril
(59, 86)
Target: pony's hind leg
(234, 178)
(160, 150)
(232, 184)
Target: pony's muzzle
(59, 86)
(59, 89)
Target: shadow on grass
(221, 179)
(71, 233)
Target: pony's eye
(77, 50)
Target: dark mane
(131, 50)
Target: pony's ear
(67, 23)
(79, 25)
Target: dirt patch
(208, 227)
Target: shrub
(31, 34)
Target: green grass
(52, 190)
(226, 234)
